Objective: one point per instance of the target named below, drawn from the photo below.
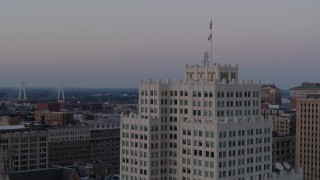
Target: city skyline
(115, 44)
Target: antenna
(22, 91)
(210, 39)
(206, 59)
(61, 92)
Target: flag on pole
(210, 37)
(210, 25)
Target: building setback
(208, 126)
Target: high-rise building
(207, 126)
(308, 137)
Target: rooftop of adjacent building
(104, 124)
(49, 112)
(10, 120)
(80, 126)
(287, 174)
(307, 86)
(48, 174)
(12, 127)
(23, 126)
(19, 132)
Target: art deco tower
(206, 126)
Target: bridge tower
(61, 97)
(22, 92)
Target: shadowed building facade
(105, 144)
(68, 145)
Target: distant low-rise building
(52, 106)
(9, 120)
(270, 94)
(278, 116)
(285, 124)
(54, 118)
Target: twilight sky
(116, 43)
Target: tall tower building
(308, 137)
(207, 126)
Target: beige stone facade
(308, 137)
(9, 120)
(303, 91)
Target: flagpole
(211, 43)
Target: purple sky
(116, 43)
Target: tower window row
(220, 94)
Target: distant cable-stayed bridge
(50, 94)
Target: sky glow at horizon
(116, 43)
